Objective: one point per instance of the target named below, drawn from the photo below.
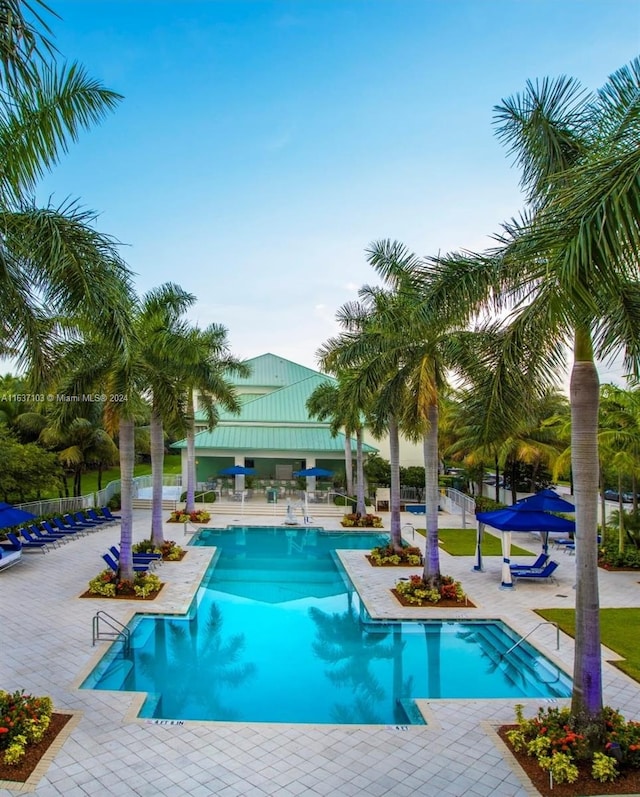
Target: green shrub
(486, 504)
(115, 502)
(610, 556)
(24, 720)
(387, 555)
(361, 521)
(416, 591)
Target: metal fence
(60, 506)
(456, 502)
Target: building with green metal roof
(273, 434)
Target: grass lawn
(615, 625)
(462, 542)
(172, 466)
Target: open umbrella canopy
(520, 517)
(12, 516)
(313, 472)
(237, 470)
(547, 501)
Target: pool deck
(47, 650)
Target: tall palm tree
(568, 271)
(206, 365)
(331, 400)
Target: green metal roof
(287, 405)
(269, 370)
(271, 438)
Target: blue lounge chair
(66, 528)
(107, 513)
(24, 533)
(46, 537)
(544, 573)
(541, 561)
(93, 515)
(77, 522)
(25, 545)
(152, 559)
(60, 529)
(138, 568)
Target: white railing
(455, 501)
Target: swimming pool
(277, 633)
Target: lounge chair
(544, 573)
(61, 525)
(107, 513)
(24, 533)
(77, 521)
(93, 515)
(26, 545)
(10, 555)
(152, 559)
(60, 529)
(38, 534)
(114, 565)
(541, 561)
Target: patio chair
(93, 515)
(541, 561)
(26, 545)
(152, 559)
(60, 524)
(114, 565)
(108, 514)
(60, 529)
(38, 534)
(78, 520)
(545, 573)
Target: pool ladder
(116, 630)
(528, 634)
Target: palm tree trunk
(348, 462)
(586, 701)
(191, 455)
(621, 539)
(603, 504)
(127, 456)
(156, 436)
(394, 493)
(361, 507)
(432, 557)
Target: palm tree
(54, 263)
(206, 365)
(568, 270)
(331, 400)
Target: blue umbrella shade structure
(313, 472)
(546, 501)
(12, 516)
(520, 517)
(237, 470)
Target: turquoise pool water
(277, 634)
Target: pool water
(277, 634)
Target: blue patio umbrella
(12, 515)
(237, 470)
(520, 517)
(313, 472)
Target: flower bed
(24, 721)
(145, 586)
(414, 592)
(170, 550)
(604, 759)
(361, 521)
(388, 556)
(182, 516)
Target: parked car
(611, 495)
(628, 498)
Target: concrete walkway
(46, 650)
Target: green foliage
(24, 720)
(609, 554)
(28, 471)
(417, 592)
(115, 502)
(378, 470)
(389, 556)
(558, 740)
(103, 584)
(171, 551)
(361, 521)
(486, 504)
(462, 542)
(109, 585)
(146, 583)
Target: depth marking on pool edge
(164, 722)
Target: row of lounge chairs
(50, 534)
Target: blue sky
(262, 144)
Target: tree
(331, 401)
(567, 270)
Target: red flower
(4, 730)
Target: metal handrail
(119, 631)
(528, 634)
(410, 526)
